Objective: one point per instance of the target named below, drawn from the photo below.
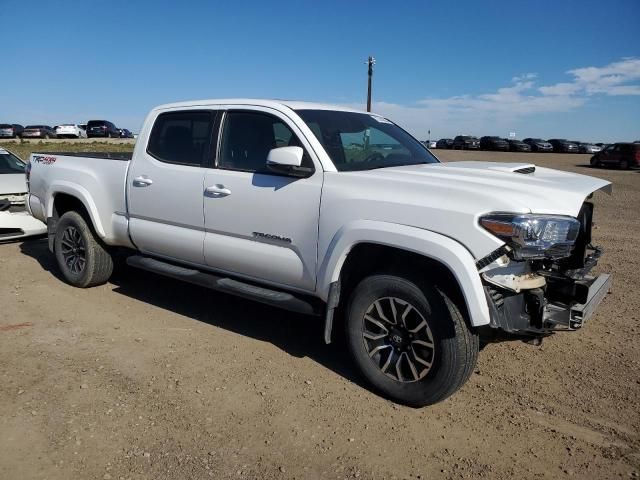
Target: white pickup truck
(329, 211)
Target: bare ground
(146, 377)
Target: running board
(275, 298)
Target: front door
(165, 186)
(259, 224)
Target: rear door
(260, 224)
(165, 185)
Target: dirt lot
(146, 377)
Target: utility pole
(370, 62)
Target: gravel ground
(146, 377)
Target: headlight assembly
(534, 236)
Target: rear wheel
(624, 164)
(411, 343)
(82, 259)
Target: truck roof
(273, 103)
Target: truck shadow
(298, 335)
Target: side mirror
(287, 161)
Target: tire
(595, 163)
(624, 164)
(82, 259)
(439, 370)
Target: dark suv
(563, 146)
(519, 146)
(465, 142)
(538, 145)
(444, 143)
(494, 143)
(102, 128)
(622, 155)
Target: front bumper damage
(534, 299)
(16, 222)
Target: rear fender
(82, 194)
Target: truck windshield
(9, 163)
(361, 141)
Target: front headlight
(534, 236)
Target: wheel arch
(66, 198)
(366, 245)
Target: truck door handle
(217, 191)
(142, 181)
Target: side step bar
(276, 298)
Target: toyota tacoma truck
(338, 213)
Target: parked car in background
(10, 130)
(518, 146)
(70, 130)
(494, 143)
(560, 145)
(444, 143)
(623, 155)
(465, 142)
(587, 147)
(102, 128)
(15, 220)
(38, 131)
(124, 133)
(538, 145)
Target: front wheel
(411, 343)
(82, 259)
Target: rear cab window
(185, 137)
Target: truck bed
(97, 179)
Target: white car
(327, 211)
(15, 220)
(70, 130)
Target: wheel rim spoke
(381, 314)
(388, 362)
(378, 348)
(73, 250)
(376, 323)
(422, 343)
(412, 367)
(371, 336)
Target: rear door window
(184, 137)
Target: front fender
(424, 242)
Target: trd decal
(46, 160)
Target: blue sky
(560, 68)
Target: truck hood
(496, 186)
(12, 183)
(449, 198)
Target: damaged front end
(539, 282)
